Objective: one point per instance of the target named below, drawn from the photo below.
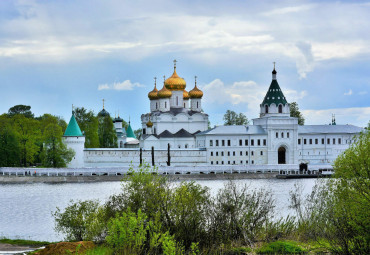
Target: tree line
(26, 140)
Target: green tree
(9, 145)
(294, 112)
(351, 192)
(138, 133)
(232, 118)
(89, 125)
(28, 133)
(24, 110)
(83, 220)
(107, 133)
(55, 152)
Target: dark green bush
(281, 247)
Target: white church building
(176, 120)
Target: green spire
(129, 131)
(274, 93)
(73, 129)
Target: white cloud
(125, 85)
(362, 92)
(359, 116)
(349, 93)
(289, 9)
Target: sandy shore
(105, 178)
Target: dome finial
(174, 64)
(103, 103)
(73, 109)
(274, 72)
(164, 78)
(195, 77)
(155, 82)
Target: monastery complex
(176, 123)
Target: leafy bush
(281, 247)
(81, 221)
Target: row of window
(316, 140)
(233, 162)
(221, 153)
(282, 135)
(246, 142)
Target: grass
(100, 250)
(281, 247)
(24, 242)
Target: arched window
(280, 108)
(266, 108)
(144, 131)
(121, 144)
(165, 104)
(197, 104)
(184, 105)
(177, 100)
(156, 105)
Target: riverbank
(113, 178)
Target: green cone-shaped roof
(129, 132)
(73, 129)
(274, 93)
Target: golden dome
(185, 95)
(164, 93)
(195, 92)
(149, 124)
(153, 95)
(175, 82)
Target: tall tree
(107, 133)
(232, 118)
(294, 112)
(24, 110)
(55, 152)
(89, 125)
(28, 133)
(138, 133)
(9, 145)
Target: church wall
(125, 157)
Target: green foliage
(106, 132)
(240, 213)
(81, 221)
(28, 133)
(23, 242)
(55, 152)
(127, 233)
(9, 145)
(138, 133)
(281, 247)
(88, 124)
(277, 229)
(232, 118)
(24, 110)
(294, 112)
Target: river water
(26, 209)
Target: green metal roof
(274, 95)
(73, 129)
(129, 132)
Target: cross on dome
(174, 63)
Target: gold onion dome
(185, 95)
(149, 124)
(195, 92)
(153, 95)
(164, 92)
(175, 82)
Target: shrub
(281, 247)
(81, 221)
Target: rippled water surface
(25, 209)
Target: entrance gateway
(281, 155)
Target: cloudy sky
(57, 53)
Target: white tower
(74, 139)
